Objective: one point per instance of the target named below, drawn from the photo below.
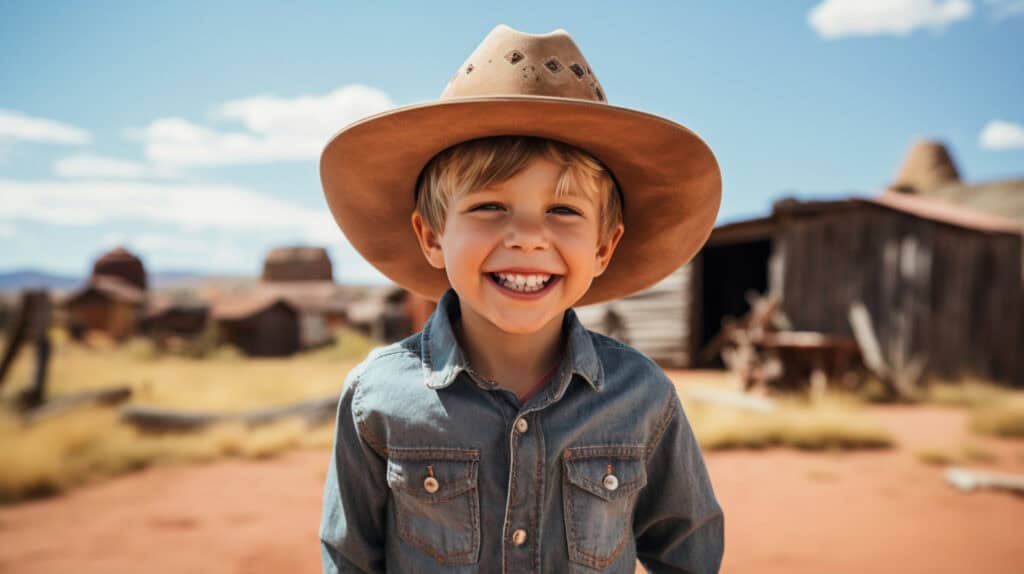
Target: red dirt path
(785, 511)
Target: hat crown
(512, 63)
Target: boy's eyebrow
(573, 192)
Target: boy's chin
(519, 326)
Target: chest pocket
(437, 501)
(600, 486)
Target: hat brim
(670, 181)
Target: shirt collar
(443, 358)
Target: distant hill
(160, 279)
(190, 281)
(19, 279)
(35, 279)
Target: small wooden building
(940, 281)
(658, 320)
(390, 313)
(261, 326)
(313, 305)
(168, 317)
(304, 276)
(113, 300)
(297, 263)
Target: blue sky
(190, 131)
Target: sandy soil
(785, 511)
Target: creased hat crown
(509, 62)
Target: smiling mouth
(523, 283)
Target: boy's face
(516, 254)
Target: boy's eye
(565, 210)
(486, 207)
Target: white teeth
(525, 283)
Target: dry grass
(970, 393)
(89, 443)
(832, 422)
(995, 410)
(968, 453)
(221, 382)
(1004, 419)
(49, 456)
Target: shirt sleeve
(355, 495)
(678, 523)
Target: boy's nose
(526, 233)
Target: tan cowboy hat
(531, 85)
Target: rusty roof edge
(927, 208)
(943, 211)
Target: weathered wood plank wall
(655, 321)
(947, 293)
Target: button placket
(526, 487)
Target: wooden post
(31, 324)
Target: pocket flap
(588, 467)
(453, 472)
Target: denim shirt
(435, 469)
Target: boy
(505, 437)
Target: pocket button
(519, 537)
(431, 485)
(611, 482)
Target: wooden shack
(113, 300)
(300, 278)
(260, 326)
(304, 276)
(297, 263)
(389, 314)
(658, 320)
(168, 317)
(941, 282)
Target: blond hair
(478, 163)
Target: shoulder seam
(361, 426)
(667, 414)
(388, 353)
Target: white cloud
(209, 227)
(227, 253)
(275, 129)
(1001, 135)
(839, 18)
(15, 125)
(150, 241)
(88, 165)
(223, 253)
(95, 202)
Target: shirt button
(519, 537)
(611, 482)
(431, 485)
(522, 426)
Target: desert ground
(786, 511)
